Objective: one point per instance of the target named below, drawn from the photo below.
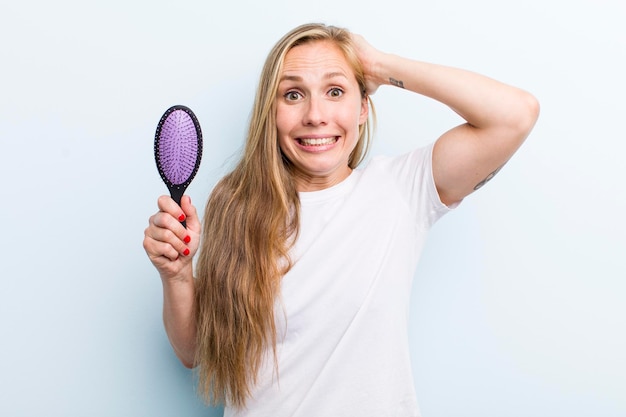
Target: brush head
(178, 149)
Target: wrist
(391, 69)
(182, 277)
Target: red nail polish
(186, 251)
(187, 239)
(181, 217)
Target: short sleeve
(412, 174)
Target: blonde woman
(298, 305)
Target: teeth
(319, 141)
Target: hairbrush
(178, 149)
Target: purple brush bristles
(178, 147)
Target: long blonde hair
(251, 221)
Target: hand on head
(168, 244)
(369, 57)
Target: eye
(292, 95)
(335, 92)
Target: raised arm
(498, 117)
(171, 247)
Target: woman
(299, 305)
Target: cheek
(284, 119)
(285, 144)
(364, 111)
(351, 119)
(355, 114)
(280, 123)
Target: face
(319, 108)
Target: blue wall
(518, 305)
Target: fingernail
(186, 251)
(181, 217)
(187, 239)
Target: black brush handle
(177, 192)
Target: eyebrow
(327, 76)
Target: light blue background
(518, 309)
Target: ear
(365, 108)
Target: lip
(317, 147)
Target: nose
(315, 112)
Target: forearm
(483, 102)
(179, 317)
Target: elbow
(528, 113)
(187, 363)
(186, 358)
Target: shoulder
(406, 165)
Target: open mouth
(317, 141)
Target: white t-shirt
(342, 317)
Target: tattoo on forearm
(395, 82)
(486, 180)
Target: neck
(308, 183)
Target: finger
(168, 205)
(168, 263)
(160, 253)
(166, 229)
(193, 222)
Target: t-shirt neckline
(331, 192)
